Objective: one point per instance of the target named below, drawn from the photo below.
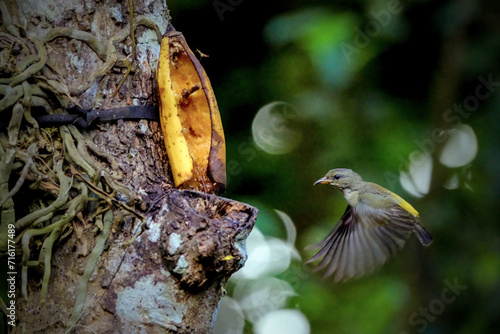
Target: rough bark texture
(171, 278)
(165, 274)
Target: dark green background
(367, 114)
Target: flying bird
(374, 227)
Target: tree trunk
(108, 244)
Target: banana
(189, 117)
(175, 143)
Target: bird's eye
(337, 176)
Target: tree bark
(112, 271)
(171, 278)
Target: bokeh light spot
(273, 128)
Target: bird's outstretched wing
(364, 239)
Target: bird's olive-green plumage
(375, 225)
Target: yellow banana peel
(189, 117)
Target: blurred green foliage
(367, 110)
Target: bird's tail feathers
(423, 235)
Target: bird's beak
(321, 181)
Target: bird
(374, 227)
